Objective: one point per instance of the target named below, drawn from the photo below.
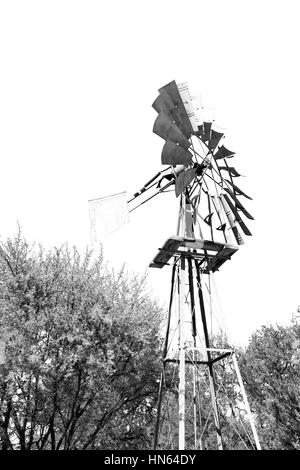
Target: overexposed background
(77, 81)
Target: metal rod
(231, 221)
(147, 185)
(165, 349)
(194, 397)
(179, 217)
(217, 211)
(181, 397)
(161, 384)
(192, 298)
(220, 350)
(181, 333)
(187, 361)
(219, 358)
(153, 195)
(194, 334)
(210, 366)
(209, 211)
(169, 312)
(250, 417)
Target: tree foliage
(82, 352)
(83, 358)
(271, 370)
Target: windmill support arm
(153, 195)
(149, 184)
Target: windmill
(210, 228)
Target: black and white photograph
(149, 221)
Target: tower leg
(194, 334)
(161, 385)
(165, 350)
(250, 417)
(187, 270)
(181, 396)
(210, 366)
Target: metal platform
(211, 254)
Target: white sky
(77, 81)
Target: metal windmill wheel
(201, 164)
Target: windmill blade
(173, 154)
(206, 131)
(223, 152)
(200, 131)
(238, 203)
(230, 170)
(238, 190)
(172, 90)
(183, 180)
(188, 104)
(208, 218)
(164, 103)
(220, 212)
(221, 228)
(237, 216)
(207, 116)
(215, 138)
(196, 199)
(195, 203)
(166, 129)
(231, 221)
(197, 106)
